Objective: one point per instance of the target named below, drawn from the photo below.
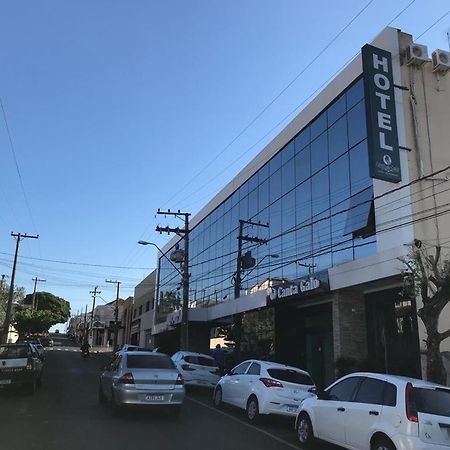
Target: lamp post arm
(163, 254)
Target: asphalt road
(65, 414)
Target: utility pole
(6, 323)
(85, 339)
(242, 263)
(94, 295)
(33, 305)
(116, 314)
(183, 232)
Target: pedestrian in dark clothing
(219, 356)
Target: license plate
(5, 381)
(154, 398)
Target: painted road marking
(243, 423)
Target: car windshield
(290, 376)
(149, 362)
(13, 351)
(200, 360)
(433, 401)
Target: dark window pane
(263, 195)
(390, 395)
(253, 203)
(302, 140)
(275, 186)
(303, 201)
(344, 390)
(201, 361)
(288, 176)
(319, 153)
(302, 165)
(291, 376)
(336, 110)
(359, 168)
(275, 163)
(359, 215)
(149, 362)
(320, 192)
(263, 173)
(318, 126)
(287, 153)
(288, 205)
(337, 139)
(339, 180)
(357, 130)
(355, 94)
(370, 391)
(275, 223)
(255, 369)
(241, 368)
(433, 401)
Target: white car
(371, 411)
(262, 387)
(133, 348)
(197, 369)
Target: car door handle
(341, 409)
(374, 413)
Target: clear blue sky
(114, 107)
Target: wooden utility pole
(94, 293)
(183, 232)
(6, 323)
(116, 314)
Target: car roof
(396, 379)
(140, 353)
(275, 365)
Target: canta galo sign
(384, 159)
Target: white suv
(262, 387)
(371, 411)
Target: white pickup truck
(20, 365)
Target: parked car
(142, 378)
(197, 369)
(47, 342)
(37, 345)
(132, 348)
(263, 387)
(371, 411)
(20, 365)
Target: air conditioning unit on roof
(416, 55)
(441, 61)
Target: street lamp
(116, 312)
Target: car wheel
(217, 399)
(252, 409)
(382, 444)
(101, 394)
(305, 433)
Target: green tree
(49, 310)
(427, 276)
(19, 295)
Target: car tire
(252, 409)
(382, 444)
(217, 399)
(101, 395)
(305, 434)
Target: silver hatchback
(141, 379)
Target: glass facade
(315, 195)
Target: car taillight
(187, 367)
(180, 380)
(411, 409)
(268, 382)
(29, 364)
(127, 378)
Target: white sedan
(197, 369)
(262, 387)
(374, 411)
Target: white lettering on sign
(384, 119)
(305, 285)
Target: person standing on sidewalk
(219, 356)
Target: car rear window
(433, 401)
(201, 361)
(11, 352)
(149, 362)
(290, 376)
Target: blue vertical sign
(384, 158)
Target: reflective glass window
(275, 223)
(263, 195)
(302, 165)
(320, 192)
(288, 176)
(319, 153)
(253, 203)
(288, 208)
(318, 126)
(360, 214)
(355, 94)
(359, 168)
(357, 130)
(253, 182)
(339, 180)
(263, 173)
(344, 390)
(275, 186)
(302, 139)
(275, 163)
(303, 201)
(337, 138)
(287, 153)
(336, 110)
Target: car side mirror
(322, 395)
